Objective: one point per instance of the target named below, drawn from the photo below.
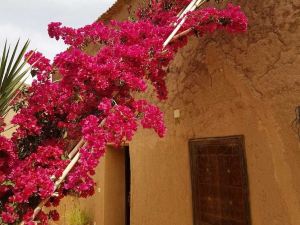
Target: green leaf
(8, 183)
(13, 73)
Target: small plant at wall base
(79, 217)
(93, 104)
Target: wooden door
(219, 181)
(127, 186)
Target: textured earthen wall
(227, 85)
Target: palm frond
(13, 73)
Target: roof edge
(114, 9)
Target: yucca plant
(13, 73)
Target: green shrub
(78, 217)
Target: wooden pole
(56, 185)
(74, 155)
(191, 7)
(80, 144)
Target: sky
(28, 19)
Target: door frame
(240, 139)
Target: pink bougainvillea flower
(95, 100)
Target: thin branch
(80, 144)
(183, 33)
(74, 155)
(56, 185)
(13, 126)
(183, 12)
(192, 6)
(187, 9)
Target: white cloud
(80, 3)
(29, 20)
(38, 40)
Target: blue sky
(28, 19)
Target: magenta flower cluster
(95, 99)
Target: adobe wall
(226, 85)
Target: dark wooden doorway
(117, 186)
(127, 185)
(219, 181)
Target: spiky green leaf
(13, 73)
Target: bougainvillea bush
(93, 102)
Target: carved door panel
(219, 181)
